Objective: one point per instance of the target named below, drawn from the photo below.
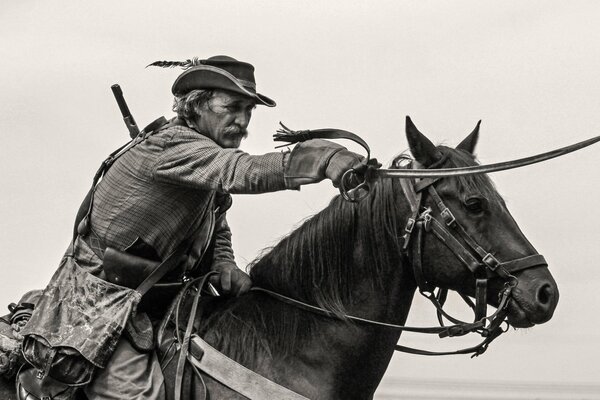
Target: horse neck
(345, 259)
(348, 261)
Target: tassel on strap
(285, 134)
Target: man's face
(225, 118)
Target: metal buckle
(427, 221)
(410, 225)
(490, 261)
(426, 217)
(448, 217)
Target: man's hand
(340, 163)
(317, 159)
(230, 280)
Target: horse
(331, 296)
(349, 274)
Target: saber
(285, 134)
(484, 169)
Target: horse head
(472, 212)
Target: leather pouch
(126, 269)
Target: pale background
(528, 70)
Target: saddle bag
(78, 321)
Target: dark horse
(349, 259)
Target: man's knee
(128, 374)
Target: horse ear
(421, 148)
(469, 143)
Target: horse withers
(334, 293)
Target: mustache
(236, 130)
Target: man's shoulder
(175, 132)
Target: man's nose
(242, 119)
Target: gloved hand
(341, 162)
(230, 280)
(316, 159)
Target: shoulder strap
(82, 219)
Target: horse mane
(315, 263)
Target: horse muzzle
(533, 299)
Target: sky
(528, 70)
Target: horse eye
(474, 205)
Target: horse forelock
(470, 184)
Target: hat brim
(209, 77)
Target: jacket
(158, 192)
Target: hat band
(239, 82)
(249, 84)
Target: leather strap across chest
(235, 376)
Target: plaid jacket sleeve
(223, 250)
(193, 160)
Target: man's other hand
(230, 280)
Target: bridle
(479, 261)
(482, 263)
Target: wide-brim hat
(220, 72)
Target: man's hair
(188, 105)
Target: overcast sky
(529, 71)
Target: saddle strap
(234, 375)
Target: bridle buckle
(490, 261)
(448, 217)
(426, 218)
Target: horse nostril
(545, 294)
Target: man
(171, 191)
